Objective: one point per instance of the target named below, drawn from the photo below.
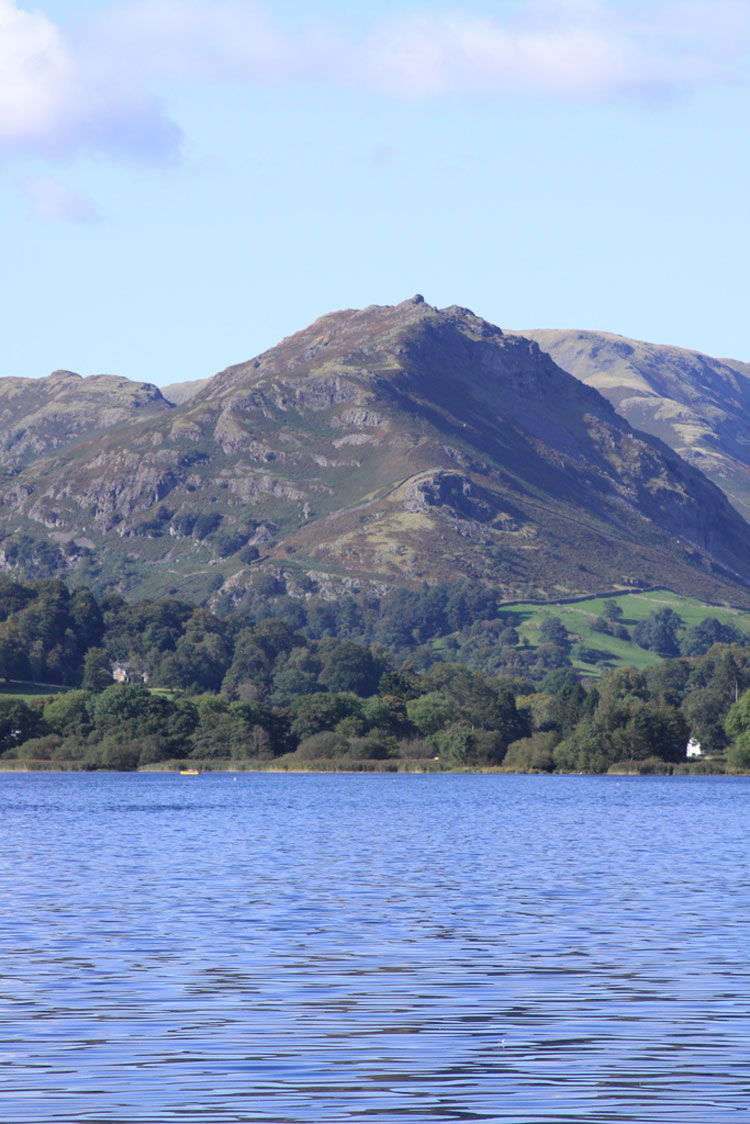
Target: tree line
(258, 692)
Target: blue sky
(184, 182)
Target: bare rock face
(396, 444)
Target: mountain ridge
(698, 405)
(390, 445)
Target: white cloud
(53, 201)
(35, 72)
(54, 99)
(97, 88)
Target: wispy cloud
(196, 40)
(460, 54)
(53, 201)
(586, 49)
(560, 48)
(96, 88)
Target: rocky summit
(388, 446)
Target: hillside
(179, 392)
(698, 405)
(393, 445)
(41, 416)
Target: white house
(694, 748)
(123, 672)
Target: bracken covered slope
(392, 445)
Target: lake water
(300, 948)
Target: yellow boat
(190, 772)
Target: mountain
(39, 416)
(392, 445)
(179, 392)
(698, 405)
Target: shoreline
(670, 771)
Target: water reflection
(296, 948)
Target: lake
(302, 948)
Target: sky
(185, 182)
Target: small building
(123, 672)
(694, 748)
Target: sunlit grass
(578, 618)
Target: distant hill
(178, 392)
(41, 416)
(388, 446)
(698, 405)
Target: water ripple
(523, 950)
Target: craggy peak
(396, 444)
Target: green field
(28, 691)
(578, 617)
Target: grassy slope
(578, 618)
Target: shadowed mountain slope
(392, 445)
(698, 405)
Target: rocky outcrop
(449, 490)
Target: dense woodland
(431, 679)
